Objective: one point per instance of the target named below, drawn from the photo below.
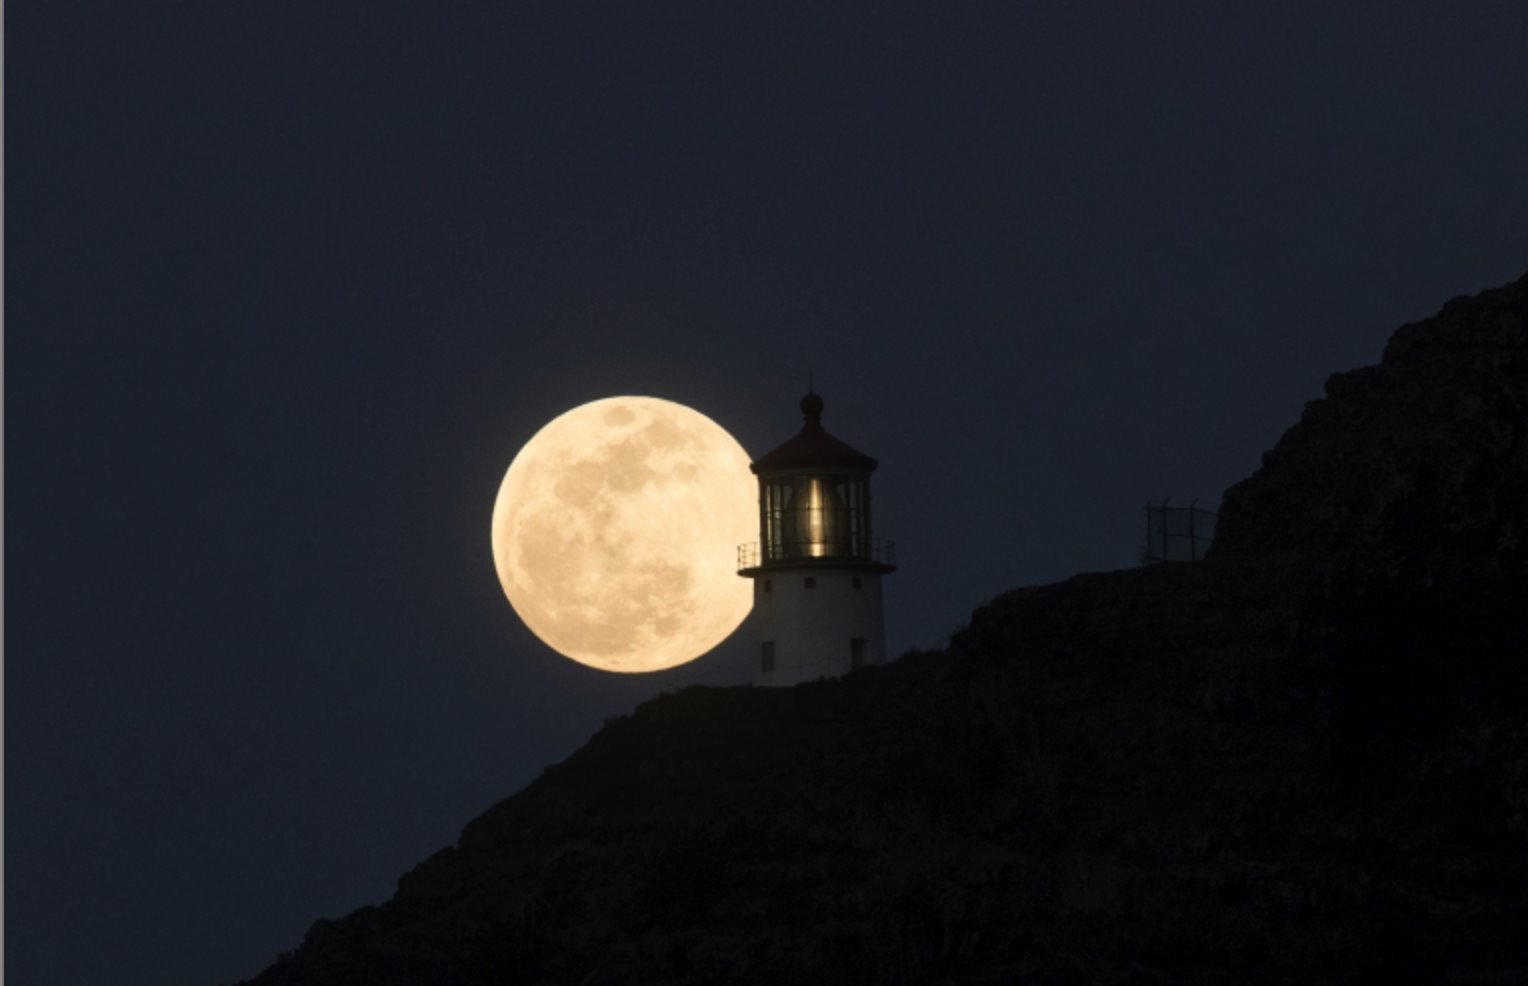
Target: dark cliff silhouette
(1304, 759)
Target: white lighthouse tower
(816, 567)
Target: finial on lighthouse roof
(811, 409)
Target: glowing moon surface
(615, 534)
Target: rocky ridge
(1413, 468)
(1304, 759)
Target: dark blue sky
(288, 284)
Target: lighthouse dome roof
(812, 447)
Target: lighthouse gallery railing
(878, 552)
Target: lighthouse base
(816, 622)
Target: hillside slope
(1301, 760)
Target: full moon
(615, 534)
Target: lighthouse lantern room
(817, 567)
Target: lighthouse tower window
(767, 656)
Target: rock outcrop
(1303, 760)
(1416, 468)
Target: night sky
(288, 285)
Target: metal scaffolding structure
(1175, 533)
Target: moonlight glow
(615, 534)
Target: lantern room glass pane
(816, 517)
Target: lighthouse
(817, 567)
